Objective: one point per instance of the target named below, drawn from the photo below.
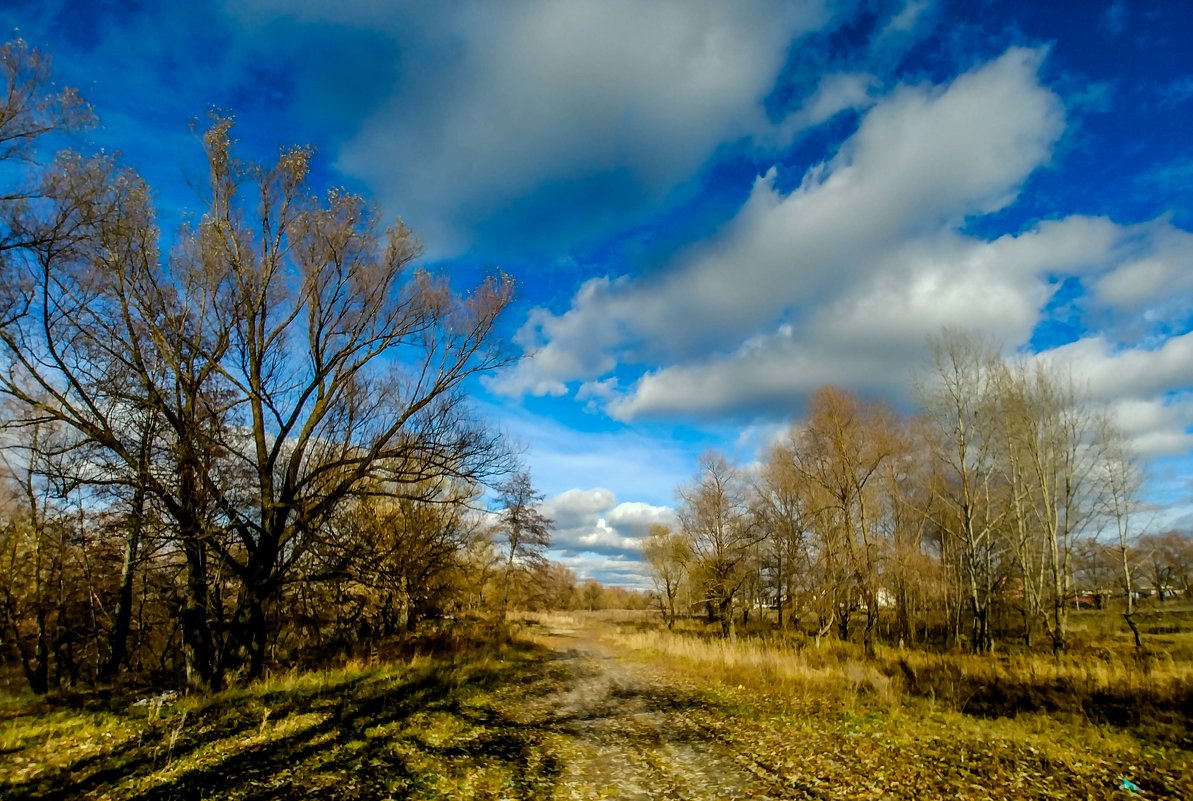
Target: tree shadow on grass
(406, 732)
(356, 745)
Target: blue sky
(714, 208)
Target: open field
(581, 707)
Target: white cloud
(596, 393)
(836, 93)
(1154, 281)
(1148, 391)
(922, 160)
(577, 508)
(858, 263)
(494, 103)
(1113, 373)
(906, 19)
(634, 518)
(609, 570)
(592, 521)
(1155, 426)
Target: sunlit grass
(478, 723)
(425, 727)
(1152, 676)
(1016, 723)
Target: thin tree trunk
(1129, 615)
(118, 638)
(871, 623)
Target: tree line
(1005, 502)
(244, 443)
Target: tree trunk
(725, 611)
(37, 669)
(903, 615)
(871, 624)
(1129, 615)
(980, 641)
(122, 622)
(198, 646)
(258, 637)
(779, 587)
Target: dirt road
(622, 732)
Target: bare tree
(843, 451)
(40, 582)
(957, 399)
(669, 554)
(524, 531)
(1050, 445)
(1122, 481)
(1167, 561)
(782, 510)
(715, 516)
(293, 357)
(907, 492)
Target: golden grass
(967, 726)
(1119, 687)
(305, 732)
(767, 666)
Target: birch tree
(957, 398)
(1051, 446)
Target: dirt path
(623, 733)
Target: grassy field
(1011, 724)
(569, 715)
(425, 728)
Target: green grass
(430, 728)
(481, 723)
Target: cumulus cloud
(867, 248)
(1147, 389)
(1111, 372)
(610, 571)
(1153, 282)
(593, 522)
(873, 333)
(1156, 426)
(502, 118)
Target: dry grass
(1004, 725)
(835, 667)
(1150, 692)
(821, 722)
(428, 726)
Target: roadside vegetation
(1100, 721)
(579, 705)
(428, 726)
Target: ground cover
(581, 708)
